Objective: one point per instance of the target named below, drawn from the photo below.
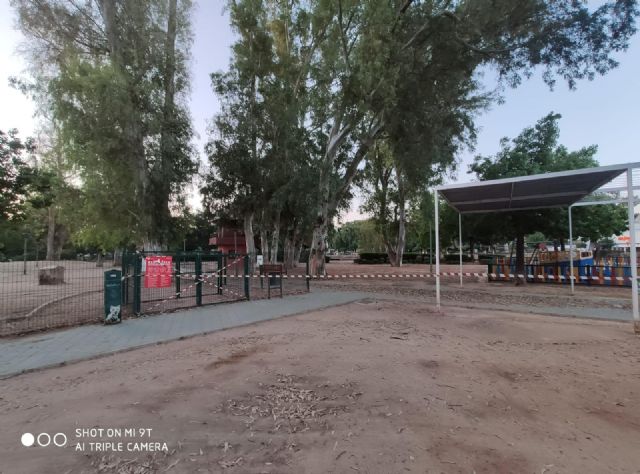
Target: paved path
(84, 342)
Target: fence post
(178, 281)
(247, 294)
(307, 275)
(198, 268)
(125, 278)
(222, 263)
(137, 280)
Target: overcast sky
(605, 112)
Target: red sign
(158, 272)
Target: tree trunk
(318, 246)
(288, 252)
(133, 132)
(51, 233)
(402, 217)
(391, 254)
(275, 239)
(296, 256)
(108, 10)
(249, 239)
(329, 201)
(320, 227)
(520, 259)
(163, 173)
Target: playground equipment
(554, 267)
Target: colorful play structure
(609, 269)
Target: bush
(415, 258)
(451, 258)
(371, 258)
(381, 257)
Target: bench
(274, 273)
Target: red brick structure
(229, 238)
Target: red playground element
(229, 239)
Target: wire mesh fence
(39, 295)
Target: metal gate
(154, 282)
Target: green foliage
(360, 236)
(117, 79)
(345, 238)
(15, 175)
(536, 150)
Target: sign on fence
(158, 271)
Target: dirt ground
(475, 290)
(378, 386)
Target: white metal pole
(633, 253)
(571, 252)
(430, 249)
(437, 219)
(460, 244)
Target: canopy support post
(571, 251)
(460, 243)
(633, 252)
(437, 222)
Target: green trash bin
(112, 296)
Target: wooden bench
(274, 273)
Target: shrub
(451, 258)
(372, 258)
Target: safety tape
(191, 277)
(201, 281)
(219, 274)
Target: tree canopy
(536, 150)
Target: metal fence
(40, 295)
(601, 275)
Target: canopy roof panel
(530, 192)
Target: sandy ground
(378, 386)
(474, 290)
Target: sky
(604, 112)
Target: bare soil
(381, 281)
(377, 386)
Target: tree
(345, 237)
(116, 74)
(536, 150)
(261, 151)
(14, 174)
(384, 186)
(372, 53)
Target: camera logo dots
(27, 440)
(44, 439)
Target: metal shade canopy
(528, 192)
(539, 191)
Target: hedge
(369, 258)
(455, 258)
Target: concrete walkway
(84, 342)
